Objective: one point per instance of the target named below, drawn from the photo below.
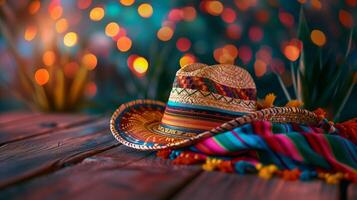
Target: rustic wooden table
(62, 156)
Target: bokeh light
(175, 15)
(214, 7)
(91, 89)
(187, 59)
(255, 34)
(70, 39)
(260, 68)
(226, 55)
(112, 29)
(183, 44)
(42, 76)
(346, 18)
(55, 12)
(245, 54)
(189, 13)
(291, 52)
(83, 4)
(124, 44)
(229, 15)
(140, 66)
(127, 2)
(34, 7)
(61, 25)
(316, 4)
(130, 61)
(145, 10)
(262, 16)
(96, 14)
(318, 37)
(286, 19)
(49, 58)
(30, 33)
(89, 60)
(234, 31)
(165, 33)
(244, 5)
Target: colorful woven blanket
(290, 151)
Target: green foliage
(325, 83)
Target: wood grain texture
(39, 124)
(234, 186)
(76, 157)
(119, 173)
(10, 117)
(38, 155)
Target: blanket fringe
(245, 167)
(348, 129)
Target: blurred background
(91, 56)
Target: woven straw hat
(204, 100)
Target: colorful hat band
(194, 118)
(207, 85)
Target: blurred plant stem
(317, 82)
(51, 96)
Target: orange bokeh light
(61, 25)
(49, 58)
(318, 37)
(145, 10)
(91, 89)
(292, 52)
(34, 7)
(187, 59)
(165, 33)
(127, 2)
(124, 44)
(55, 12)
(42, 76)
(226, 54)
(30, 33)
(112, 29)
(89, 60)
(260, 68)
(96, 14)
(214, 7)
(316, 4)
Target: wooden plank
(34, 156)
(352, 191)
(10, 117)
(40, 124)
(120, 173)
(234, 186)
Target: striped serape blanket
(290, 151)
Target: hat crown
(225, 74)
(203, 97)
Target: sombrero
(204, 100)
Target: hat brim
(136, 124)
